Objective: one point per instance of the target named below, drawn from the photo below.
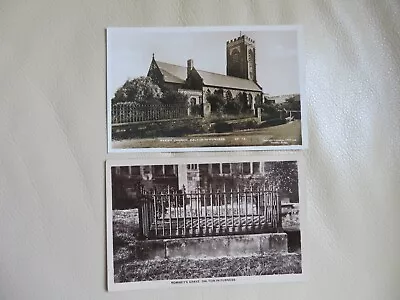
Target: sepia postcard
(205, 89)
(203, 221)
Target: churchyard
(128, 267)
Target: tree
(280, 174)
(270, 111)
(216, 101)
(174, 97)
(232, 108)
(241, 99)
(139, 90)
(284, 175)
(292, 103)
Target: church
(238, 84)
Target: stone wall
(212, 247)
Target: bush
(196, 110)
(232, 108)
(273, 122)
(250, 124)
(139, 90)
(269, 111)
(221, 127)
(172, 97)
(217, 103)
(172, 128)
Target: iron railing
(128, 112)
(209, 212)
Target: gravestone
(207, 109)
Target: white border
(303, 102)
(190, 282)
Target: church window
(215, 169)
(249, 100)
(219, 92)
(235, 56)
(169, 170)
(158, 170)
(203, 168)
(135, 170)
(256, 167)
(193, 101)
(124, 170)
(258, 100)
(246, 168)
(228, 95)
(251, 62)
(116, 170)
(192, 166)
(251, 55)
(226, 168)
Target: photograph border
(301, 76)
(112, 286)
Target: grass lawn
(286, 134)
(179, 268)
(128, 268)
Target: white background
(53, 144)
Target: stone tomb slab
(223, 246)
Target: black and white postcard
(205, 89)
(204, 221)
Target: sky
(130, 50)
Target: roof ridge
(225, 75)
(163, 62)
(158, 61)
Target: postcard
(199, 221)
(205, 89)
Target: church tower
(241, 58)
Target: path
(286, 134)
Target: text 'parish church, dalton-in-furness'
(240, 81)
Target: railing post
(155, 212)
(162, 214)
(212, 210)
(245, 206)
(141, 222)
(279, 211)
(184, 210)
(191, 211)
(198, 207)
(226, 210)
(176, 195)
(144, 220)
(169, 210)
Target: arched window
(249, 100)
(258, 100)
(251, 63)
(228, 96)
(235, 56)
(192, 101)
(234, 62)
(243, 98)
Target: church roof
(172, 73)
(177, 74)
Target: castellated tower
(241, 58)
